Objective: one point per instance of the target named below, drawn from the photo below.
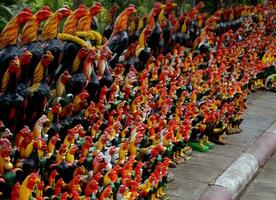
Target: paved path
(264, 185)
(192, 179)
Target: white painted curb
(238, 174)
(234, 179)
(272, 129)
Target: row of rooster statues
(86, 115)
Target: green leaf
(5, 12)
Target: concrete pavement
(263, 187)
(193, 179)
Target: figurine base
(169, 178)
(172, 164)
(232, 131)
(218, 141)
(209, 144)
(188, 150)
(197, 147)
(180, 160)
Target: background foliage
(9, 8)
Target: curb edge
(259, 152)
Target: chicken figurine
(30, 29)
(39, 90)
(28, 186)
(9, 36)
(10, 101)
(5, 162)
(118, 40)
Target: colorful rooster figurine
(70, 156)
(106, 193)
(10, 100)
(39, 90)
(91, 188)
(30, 29)
(5, 160)
(50, 29)
(10, 32)
(28, 186)
(99, 163)
(85, 22)
(118, 40)
(71, 23)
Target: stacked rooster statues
(91, 116)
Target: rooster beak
(17, 62)
(51, 58)
(2, 125)
(29, 53)
(70, 12)
(174, 5)
(46, 119)
(83, 178)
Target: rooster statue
(49, 37)
(11, 102)
(9, 38)
(70, 49)
(39, 89)
(86, 21)
(166, 26)
(23, 83)
(111, 19)
(30, 38)
(142, 50)
(28, 186)
(155, 39)
(118, 41)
